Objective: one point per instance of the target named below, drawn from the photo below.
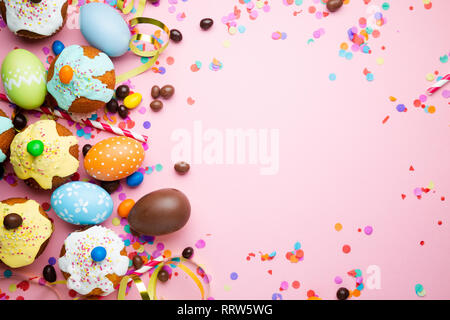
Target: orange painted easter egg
(114, 158)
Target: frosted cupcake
(34, 19)
(7, 133)
(44, 155)
(81, 80)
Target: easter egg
(133, 100)
(160, 212)
(104, 28)
(114, 158)
(82, 203)
(24, 79)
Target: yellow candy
(132, 101)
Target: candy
(12, 221)
(112, 105)
(155, 92)
(123, 111)
(57, 47)
(156, 105)
(110, 186)
(133, 100)
(98, 254)
(167, 91)
(86, 149)
(334, 5)
(182, 167)
(49, 273)
(163, 275)
(66, 74)
(135, 179)
(125, 207)
(35, 147)
(122, 91)
(137, 262)
(19, 121)
(188, 252)
(206, 23)
(342, 293)
(175, 35)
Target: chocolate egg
(114, 158)
(160, 212)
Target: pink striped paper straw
(90, 123)
(438, 85)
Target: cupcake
(34, 19)
(44, 155)
(81, 80)
(24, 233)
(93, 261)
(7, 133)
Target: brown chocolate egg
(160, 212)
(114, 158)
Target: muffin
(7, 133)
(24, 233)
(57, 161)
(81, 80)
(86, 271)
(35, 19)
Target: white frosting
(86, 274)
(43, 18)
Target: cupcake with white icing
(34, 19)
(93, 261)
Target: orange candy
(125, 207)
(66, 74)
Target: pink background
(338, 161)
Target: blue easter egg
(104, 28)
(57, 47)
(135, 179)
(82, 203)
(98, 254)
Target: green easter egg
(24, 79)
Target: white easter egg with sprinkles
(114, 158)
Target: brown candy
(49, 273)
(182, 167)
(156, 105)
(110, 186)
(342, 293)
(167, 91)
(334, 5)
(122, 91)
(137, 262)
(187, 252)
(160, 212)
(155, 92)
(12, 221)
(86, 149)
(206, 23)
(175, 35)
(163, 276)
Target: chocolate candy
(163, 275)
(110, 186)
(342, 293)
(334, 5)
(86, 149)
(187, 252)
(12, 221)
(137, 262)
(122, 91)
(167, 91)
(182, 167)
(155, 92)
(2, 171)
(175, 35)
(49, 273)
(112, 105)
(160, 212)
(19, 121)
(156, 105)
(206, 23)
(36, 1)
(123, 111)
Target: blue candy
(57, 47)
(98, 254)
(135, 179)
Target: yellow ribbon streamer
(138, 19)
(150, 292)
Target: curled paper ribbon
(136, 20)
(36, 280)
(150, 292)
